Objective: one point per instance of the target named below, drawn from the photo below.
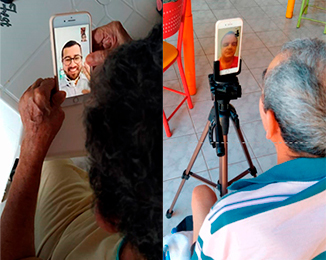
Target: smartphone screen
(228, 46)
(72, 46)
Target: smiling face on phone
(72, 60)
(73, 74)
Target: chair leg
(184, 82)
(166, 125)
(306, 7)
(301, 12)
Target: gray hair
(295, 90)
(229, 33)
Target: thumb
(58, 98)
(96, 58)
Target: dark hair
(70, 44)
(124, 139)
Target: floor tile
(177, 153)
(199, 114)
(252, 12)
(248, 82)
(251, 41)
(256, 136)
(242, 4)
(203, 92)
(170, 74)
(170, 98)
(283, 2)
(267, 2)
(246, 27)
(204, 30)
(182, 207)
(199, 5)
(211, 59)
(247, 107)
(225, 14)
(244, 66)
(208, 45)
(257, 58)
(220, 4)
(180, 124)
(203, 17)
(203, 67)
(306, 29)
(274, 10)
(286, 24)
(273, 38)
(262, 24)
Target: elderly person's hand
(41, 114)
(105, 39)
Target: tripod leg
(244, 147)
(223, 175)
(235, 119)
(185, 175)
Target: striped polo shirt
(279, 215)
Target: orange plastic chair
(173, 21)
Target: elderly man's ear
(272, 128)
(273, 131)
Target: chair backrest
(173, 17)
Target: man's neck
(127, 252)
(284, 153)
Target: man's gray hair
(295, 90)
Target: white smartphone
(71, 42)
(228, 39)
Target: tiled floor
(265, 30)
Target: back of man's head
(124, 139)
(295, 90)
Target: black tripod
(223, 88)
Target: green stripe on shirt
(234, 215)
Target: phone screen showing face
(72, 45)
(229, 49)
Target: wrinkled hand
(86, 70)
(105, 39)
(41, 115)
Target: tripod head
(223, 88)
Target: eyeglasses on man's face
(67, 60)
